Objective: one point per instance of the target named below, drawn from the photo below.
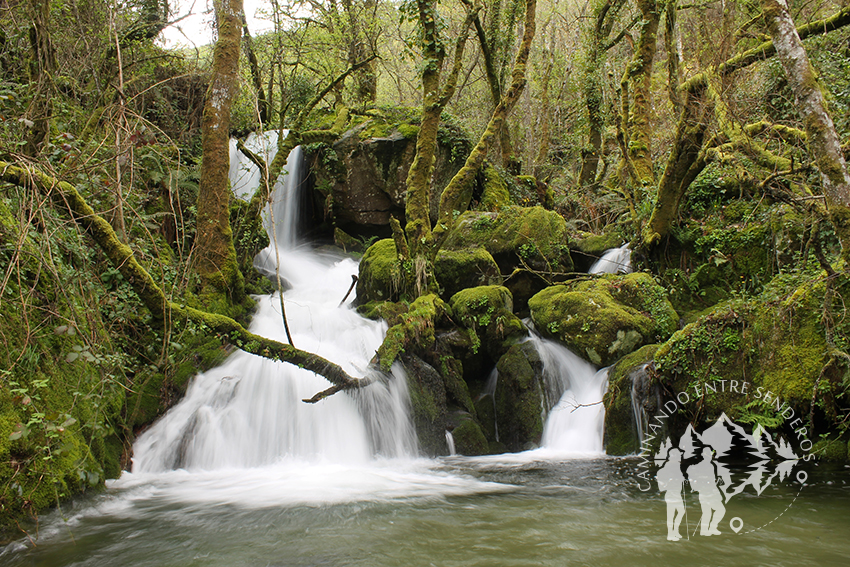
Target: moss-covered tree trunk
(686, 159)
(42, 67)
(671, 45)
(215, 260)
(458, 192)
(683, 165)
(636, 97)
(605, 16)
(824, 143)
(434, 99)
(358, 20)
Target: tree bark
(216, 262)
(435, 97)
(636, 98)
(824, 143)
(605, 16)
(458, 192)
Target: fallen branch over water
(65, 196)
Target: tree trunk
(683, 165)
(686, 161)
(458, 192)
(637, 94)
(434, 100)
(263, 112)
(216, 262)
(41, 76)
(824, 143)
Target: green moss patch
(606, 318)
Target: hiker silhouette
(671, 481)
(703, 478)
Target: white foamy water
(614, 261)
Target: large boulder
(460, 269)
(380, 275)
(516, 237)
(428, 404)
(605, 318)
(362, 178)
(488, 311)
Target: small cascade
(248, 411)
(490, 390)
(646, 399)
(574, 390)
(614, 261)
(450, 443)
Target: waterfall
(574, 388)
(614, 261)
(450, 443)
(248, 411)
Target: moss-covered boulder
(469, 439)
(488, 312)
(428, 404)
(520, 397)
(831, 450)
(460, 269)
(379, 275)
(630, 388)
(606, 318)
(516, 236)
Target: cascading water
(574, 390)
(614, 261)
(248, 412)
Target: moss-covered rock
(606, 318)
(459, 269)
(516, 236)
(380, 274)
(520, 397)
(469, 439)
(362, 179)
(428, 404)
(495, 195)
(488, 311)
(414, 331)
(629, 385)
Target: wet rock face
(520, 397)
(631, 400)
(362, 178)
(428, 404)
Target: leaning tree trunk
(824, 143)
(216, 262)
(458, 193)
(686, 160)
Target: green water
(452, 512)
